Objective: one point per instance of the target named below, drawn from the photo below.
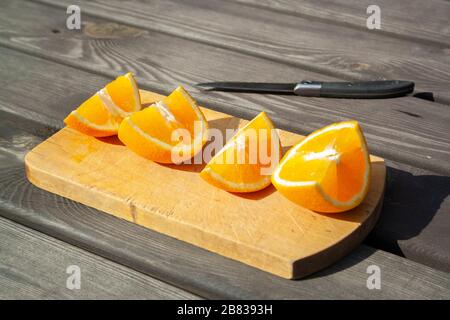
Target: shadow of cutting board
(261, 229)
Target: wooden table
(46, 70)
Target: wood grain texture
(425, 240)
(83, 227)
(199, 271)
(33, 266)
(262, 229)
(409, 130)
(293, 40)
(413, 19)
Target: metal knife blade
(352, 90)
(251, 87)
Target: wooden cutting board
(261, 229)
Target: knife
(306, 88)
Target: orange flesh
(179, 104)
(94, 111)
(152, 121)
(242, 159)
(336, 160)
(152, 133)
(175, 112)
(121, 92)
(340, 173)
(101, 114)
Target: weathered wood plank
(191, 268)
(196, 270)
(33, 266)
(411, 19)
(409, 130)
(297, 41)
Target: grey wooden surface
(47, 70)
(403, 19)
(34, 266)
(311, 44)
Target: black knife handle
(355, 89)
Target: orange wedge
(101, 114)
(329, 171)
(244, 164)
(170, 131)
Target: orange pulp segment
(245, 163)
(170, 131)
(101, 114)
(329, 171)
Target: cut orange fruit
(245, 163)
(101, 114)
(329, 171)
(170, 131)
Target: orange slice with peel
(245, 163)
(101, 114)
(170, 131)
(329, 171)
